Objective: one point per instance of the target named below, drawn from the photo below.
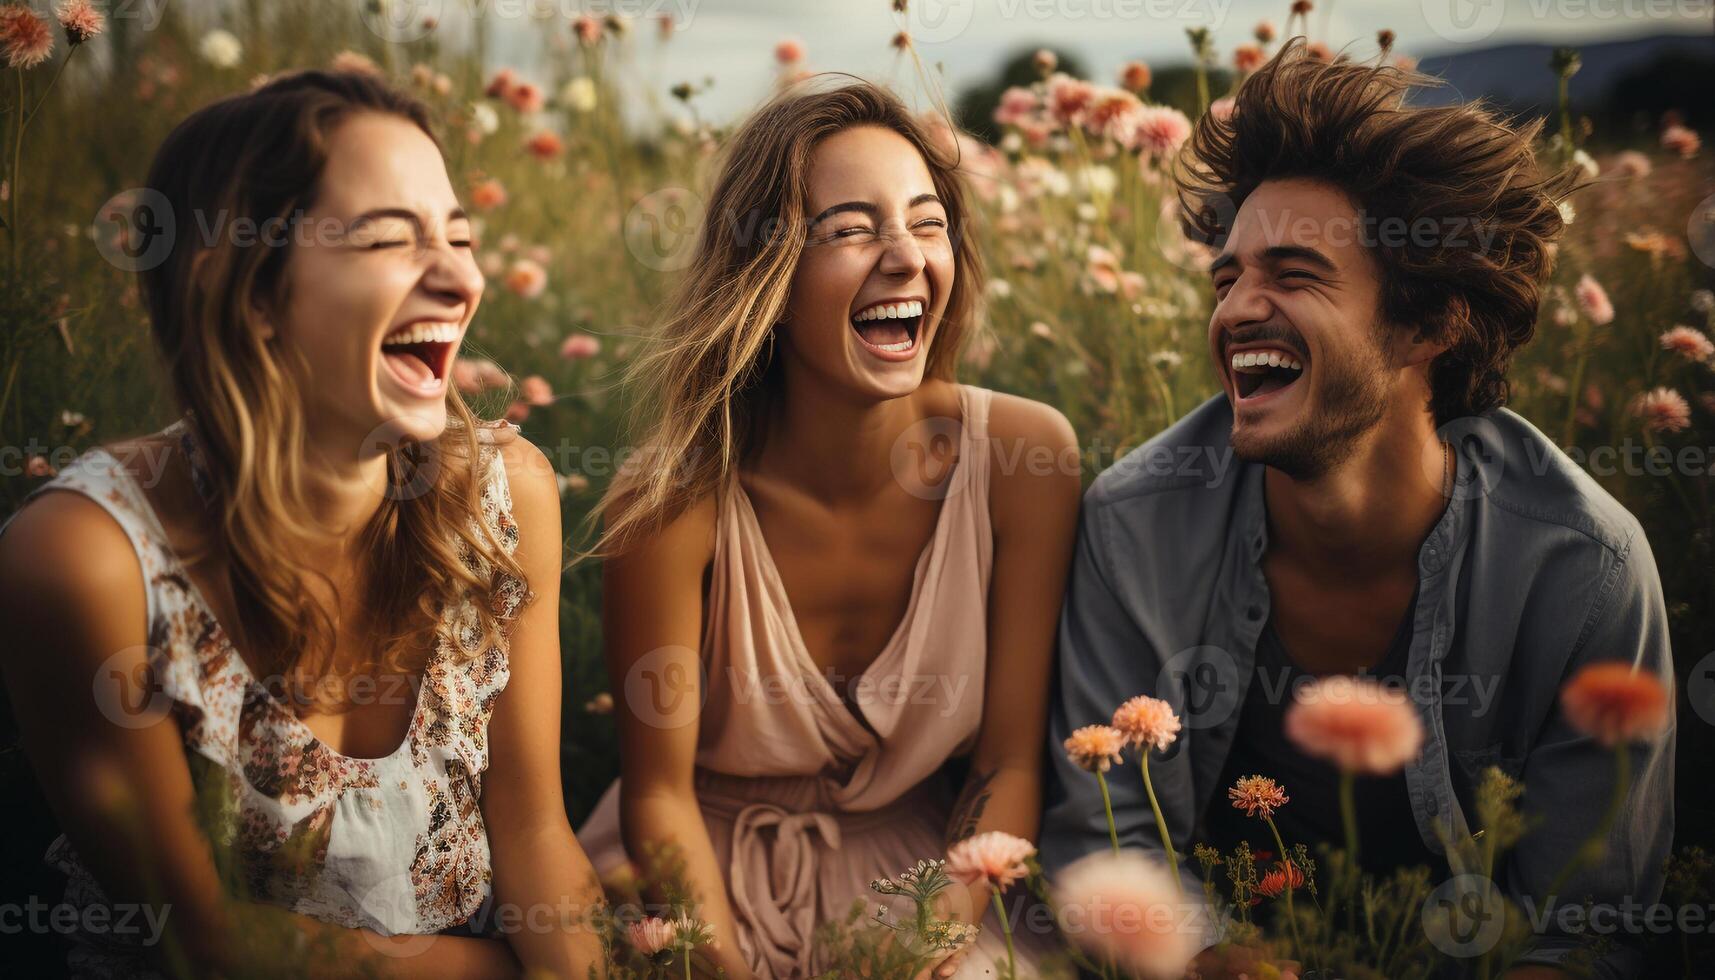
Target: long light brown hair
(257, 157)
(705, 384)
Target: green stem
(1349, 816)
(1291, 917)
(1005, 930)
(17, 159)
(1574, 390)
(1161, 825)
(1108, 808)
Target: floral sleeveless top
(395, 844)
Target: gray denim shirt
(1532, 572)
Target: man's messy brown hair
(1347, 124)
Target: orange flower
(1147, 721)
(1275, 881)
(1680, 140)
(526, 98)
(1135, 77)
(24, 37)
(996, 857)
(1247, 58)
(488, 195)
(544, 145)
(789, 51)
(1613, 702)
(1094, 748)
(536, 391)
(526, 278)
(1361, 726)
(80, 21)
(1258, 796)
(587, 29)
(1130, 908)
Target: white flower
(485, 118)
(999, 288)
(1586, 162)
(1567, 212)
(579, 94)
(1703, 301)
(1098, 179)
(220, 48)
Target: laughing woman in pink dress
(835, 569)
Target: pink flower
(1135, 77)
(789, 51)
(1263, 32)
(501, 84)
(1360, 725)
(1319, 51)
(1680, 140)
(525, 98)
(1016, 105)
(1247, 58)
(1222, 108)
(587, 29)
(651, 935)
(1069, 98)
(1113, 114)
(1630, 163)
(1103, 267)
(352, 63)
(1044, 61)
(1094, 748)
(1160, 130)
(578, 346)
(1613, 702)
(1147, 721)
(80, 21)
(526, 278)
(472, 376)
(517, 412)
(1129, 907)
(38, 466)
(1258, 796)
(544, 145)
(996, 857)
(1688, 343)
(488, 194)
(24, 37)
(1593, 299)
(1663, 410)
(536, 391)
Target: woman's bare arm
(114, 769)
(548, 895)
(652, 610)
(1033, 500)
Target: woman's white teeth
(422, 333)
(891, 311)
(1259, 361)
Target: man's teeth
(422, 333)
(1258, 361)
(891, 311)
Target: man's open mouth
(1264, 371)
(890, 328)
(420, 354)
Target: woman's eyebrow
(866, 207)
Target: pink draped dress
(805, 805)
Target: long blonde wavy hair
(704, 384)
(260, 156)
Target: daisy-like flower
(1663, 410)
(544, 145)
(1593, 299)
(995, 857)
(1688, 343)
(1130, 910)
(1258, 796)
(536, 391)
(1069, 99)
(488, 194)
(650, 935)
(1095, 748)
(1135, 77)
(578, 346)
(1147, 721)
(1159, 130)
(1016, 105)
(1362, 726)
(1680, 140)
(1614, 703)
(24, 37)
(526, 278)
(1275, 881)
(80, 20)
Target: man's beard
(1353, 399)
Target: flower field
(586, 170)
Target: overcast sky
(733, 40)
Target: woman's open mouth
(419, 355)
(1260, 372)
(890, 329)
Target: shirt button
(1254, 612)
